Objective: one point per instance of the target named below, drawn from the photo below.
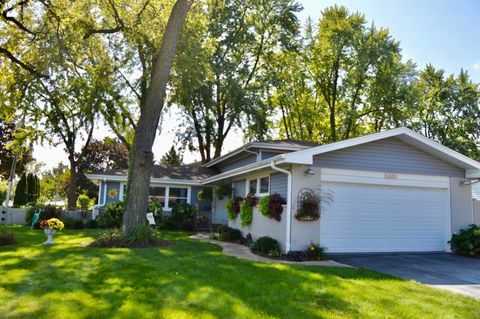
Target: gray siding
(476, 191)
(237, 163)
(461, 204)
(239, 188)
(202, 206)
(279, 184)
(266, 155)
(388, 155)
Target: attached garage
(379, 212)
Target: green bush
(226, 233)
(142, 235)
(46, 212)
(78, 224)
(91, 224)
(21, 196)
(263, 206)
(246, 213)
(112, 216)
(467, 241)
(30, 211)
(110, 238)
(315, 252)
(266, 245)
(68, 222)
(3, 192)
(6, 237)
(182, 217)
(85, 202)
(223, 190)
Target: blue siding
(237, 163)
(239, 188)
(388, 155)
(279, 184)
(202, 206)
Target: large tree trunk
(141, 156)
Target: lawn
(193, 279)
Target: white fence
(14, 216)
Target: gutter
(101, 204)
(289, 204)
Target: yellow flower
(312, 248)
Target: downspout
(100, 204)
(258, 159)
(289, 204)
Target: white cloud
(476, 65)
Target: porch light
(309, 172)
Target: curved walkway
(243, 252)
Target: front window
(264, 185)
(177, 196)
(158, 194)
(252, 187)
(168, 196)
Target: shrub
(315, 252)
(467, 241)
(84, 201)
(246, 213)
(272, 206)
(78, 224)
(30, 211)
(223, 190)
(110, 238)
(142, 235)
(6, 237)
(226, 233)
(233, 207)
(266, 245)
(295, 255)
(91, 223)
(3, 192)
(69, 222)
(182, 217)
(112, 216)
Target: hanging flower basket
(309, 204)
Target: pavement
(243, 252)
(441, 270)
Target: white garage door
(381, 218)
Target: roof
(284, 145)
(191, 172)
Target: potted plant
(310, 204)
(50, 227)
(223, 190)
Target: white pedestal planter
(49, 233)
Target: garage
(385, 212)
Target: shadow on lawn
(190, 279)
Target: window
(259, 186)
(177, 196)
(158, 194)
(264, 185)
(252, 188)
(168, 196)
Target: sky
(443, 33)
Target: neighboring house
(392, 191)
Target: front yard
(193, 279)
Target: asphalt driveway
(442, 270)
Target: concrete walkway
(243, 252)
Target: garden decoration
(311, 204)
(50, 227)
(35, 217)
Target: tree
(219, 75)
(33, 188)
(21, 197)
(7, 138)
(345, 80)
(141, 156)
(172, 157)
(107, 155)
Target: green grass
(193, 279)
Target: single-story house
(393, 191)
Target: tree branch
(93, 31)
(23, 65)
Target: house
(393, 191)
